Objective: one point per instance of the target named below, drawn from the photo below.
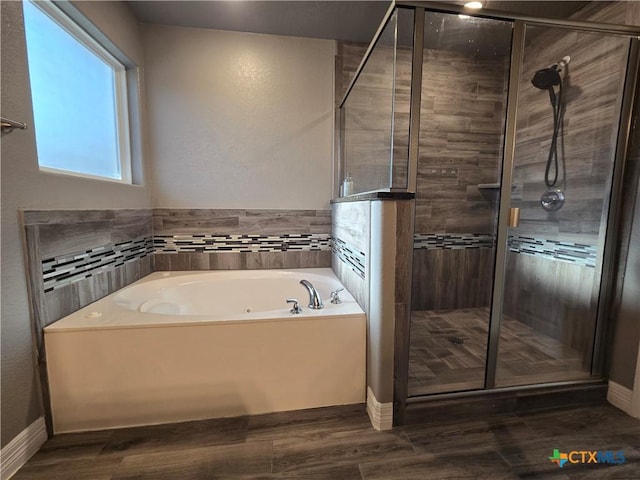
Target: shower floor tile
(448, 353)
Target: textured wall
(23, 186)
(238, 120)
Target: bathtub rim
(116, 317)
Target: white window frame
(120, 93)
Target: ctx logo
(587, 456)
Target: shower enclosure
(512, 133)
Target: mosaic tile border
(349, 255)
(436, 241)
(576, 253)
(199, 243)
(64, 270)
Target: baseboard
(620, 397)
(380, 414)
(16, 453)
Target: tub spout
(315, 301)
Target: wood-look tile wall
(86, 247)
(382, 231)
(281, 232)
(557, 299)
(461, 124)
(351, 224)
(462, 112)
(592, 94)
(81, 239)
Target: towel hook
(7, 125)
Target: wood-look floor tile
(482, 464)
(75, 469)
(329, 472)
(294, 457)
(338, 443)
(219, 462)
(176, 436)
(72, 446)
(310, 424)
(448, 350)
(467, 435)
(603, 419)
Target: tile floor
(448, 353)
(338, 443)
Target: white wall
(239, 120)
(23, 186)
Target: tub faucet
(315, 301)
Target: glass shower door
(464, 96)
(569, 99)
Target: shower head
(550, 77)
(547, 78)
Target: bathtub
(178, 346)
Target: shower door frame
(520, 22)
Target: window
(79, 98)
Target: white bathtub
(179, 346)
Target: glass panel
(73, 100)
(368, 118)
(402, 99)
(464, 98)
(569, 96)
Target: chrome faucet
(315, 301)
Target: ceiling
(354, 21)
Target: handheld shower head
(547, 78)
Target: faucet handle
(296, 308)
(335, 295)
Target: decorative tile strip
(60, 271)
(577, 253)
(435, 241)
(240, 243)
(349, 255)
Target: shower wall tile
(549, 296)
(449, 278)
(593, 95)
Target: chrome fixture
(7, 125)
(315, 301)
(296, 308)
(552, 200)
(335, 296)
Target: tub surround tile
(350, 256)
(69, 268)
(240, 243)
(168, 221)
(224, 239)
(242, 260)
(75, 257)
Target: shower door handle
(514, 217)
